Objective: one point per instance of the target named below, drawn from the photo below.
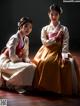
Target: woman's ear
(60, 15)
(49, 15)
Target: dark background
(12, 10)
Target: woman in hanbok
(56, 69)
(15, 66)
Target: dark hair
(23, 21)
(56, 8)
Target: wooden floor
(41, 98)
(46, 99)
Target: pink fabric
(19, 48)
(51, 35)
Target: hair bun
(56, 8)
(23, 21)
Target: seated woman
(15, 65)
(56, 70)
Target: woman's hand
(15, 59)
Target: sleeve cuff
(27, 60)
(64, 55)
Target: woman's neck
(21, 34)
(54, 23)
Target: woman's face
(26, 29)
(54, 16)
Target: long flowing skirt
(53, 75)
(18, 74)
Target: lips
(27, 31)
(54, 18)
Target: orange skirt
(51, 74)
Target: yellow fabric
(51, 74)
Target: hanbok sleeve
(26, 50)
(44, 39)
(11, 45)
(65, 48)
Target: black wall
(12, 10)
